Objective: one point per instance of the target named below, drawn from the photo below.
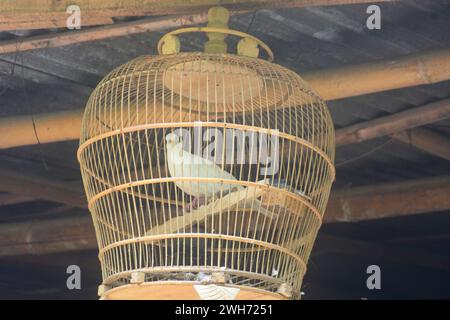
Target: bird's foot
(195, 203)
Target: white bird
(187, 165)
(183, 164)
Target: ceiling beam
(356, 204)
(77, 233)
(40, 188)
(389, 200)
(93, 34)
(350, 205)
(38, 14)
(424, 68)
(47, 236)
(381, 75)
(40, 128)
(426, 140)
(7, 199)
(39, 20)
(394, 123)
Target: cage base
(181, 290)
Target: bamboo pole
(41, 128)
(424, 68)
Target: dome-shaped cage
(206, 168)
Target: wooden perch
(220, 205)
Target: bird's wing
(186, 164)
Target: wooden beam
(40, 188)
(41, 128)
(77, 233)
(9, 199)
(394, 123)
(104, 32)
(39, 20)
(34, 14)
(47, 236)
(389, 200)
(117, 30)
(381, 75)
(356, 204)
(426, 140)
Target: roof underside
(303, 39)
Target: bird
(182, 164)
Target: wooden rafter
(118, 30)
(77, 233)
(389, 200)
(38, 14)
(353, 204)
(48, 236)
(10, 198)
(426, 140)
(41, 188)
(394, 123)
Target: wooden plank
(426, 140)
(47, 236)
(9, 199)
(362, 203)
(77, 233)
(104, 32)
(40, 188)
(357, 204)
(389, 200)
(394, 123)
(38, 14)
(12, 22)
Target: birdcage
(207, 173)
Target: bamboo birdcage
(240, 224)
